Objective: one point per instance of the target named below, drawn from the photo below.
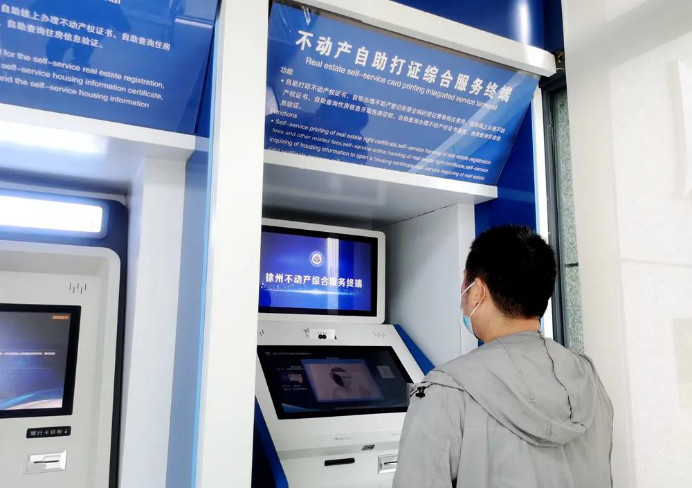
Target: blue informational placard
(345, 91)
(139, 62)
(317, 274)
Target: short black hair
(518, 266)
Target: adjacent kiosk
(105, 106)
(331, 377)
(60, 327)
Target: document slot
(46, 463)
(387, 463)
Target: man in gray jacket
(521, 410)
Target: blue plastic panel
(516, 193)
(139, 62)
(267, 471)
(423, 362)
(520, 20)
(348, 92)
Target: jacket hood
(534, 387)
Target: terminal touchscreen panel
(38, 358)
(318, 273)
(324, 381)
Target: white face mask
(466, 319)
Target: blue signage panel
(139, 62)
(342, 90)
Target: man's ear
(481, 289)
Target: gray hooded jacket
(520, 411)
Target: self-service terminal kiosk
(332, 379)
(59, 330)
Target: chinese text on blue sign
(344, 91)
(132, 61)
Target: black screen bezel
(374, 289)
(275, 397)
(70, 367)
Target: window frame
(549, 88)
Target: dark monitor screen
(313, 272)
(38, 359)
(324, 381)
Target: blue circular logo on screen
(316, 259)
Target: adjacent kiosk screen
(325, 381)
(316, 272)
(38, 357)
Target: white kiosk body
(332, 380)
(327, 448)
(58, 326)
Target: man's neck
(508, 326)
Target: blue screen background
(26, 379)
(342, 268)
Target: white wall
(426, 256)
(224, 455)
(156, 216)
(182, 445)
(631, 168)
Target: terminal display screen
(323, 381)
(312, 272)
(38, 358)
